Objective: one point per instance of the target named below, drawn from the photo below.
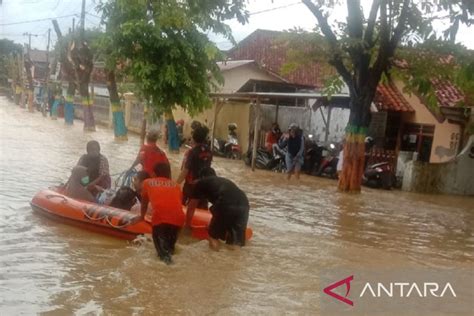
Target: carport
(300, 99)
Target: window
(418, 138)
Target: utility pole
(45, 100)
(73, 24)
(83, 19)
(29, 40)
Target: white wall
(310, 121)
(337, 124)
(235, 78)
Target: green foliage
(8, 67)
(163, 48)
(333, 85)
(363, 49)
(431, 61)
(91, 36)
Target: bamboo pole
(255, 133)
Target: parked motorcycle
(231, 148)
(379, 175)
(313, 156)
(328, 165)
(266, 160)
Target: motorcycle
(266, 161)
(328, 165)
(379, 175)
(313, 156)
(230, 149)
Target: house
(401, 122)
(240, 76)
(40, 60)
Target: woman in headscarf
(97, 167)
(76, 185)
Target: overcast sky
(265, 14)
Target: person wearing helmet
(295, 151)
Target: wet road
(299, 229)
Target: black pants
(164, 238)
(229, 223)
(187, 192)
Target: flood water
(299, 229)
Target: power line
(39, 20)
(275, 8)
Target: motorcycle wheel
(236, 155)
(386, 180)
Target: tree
(8, 51)
(163, 47)
(362, 50)
(107, 54)
(76, 58)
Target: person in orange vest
(150, 154)
(168, 217)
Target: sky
(265, 14)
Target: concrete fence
(103, 113)
(453, 177)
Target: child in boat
(77, 183)
(230, 209)
(150, 154)
(168, 217)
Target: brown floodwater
(299, 229)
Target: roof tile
(446, 93)
(388, 98)
(263, 47)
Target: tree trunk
(143, 130)
(69, 105)
(81, 58)
(350, 179)
(173, 141)
(120, 130)
(31, 87)
(87, 103)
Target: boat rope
(50, 196)
(117, 226)
(84, 210)
(105, 217)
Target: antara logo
(344, 299)
(392, 289)
(405, 289)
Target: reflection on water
(299, 229)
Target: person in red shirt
(150, 154)
(272, 137)
(168, 216)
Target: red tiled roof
(447, 93)
(263, 47)
(388, 98)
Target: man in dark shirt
(195, 159)
(230, 208)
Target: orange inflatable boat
(105, 219)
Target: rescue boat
(107, 220)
